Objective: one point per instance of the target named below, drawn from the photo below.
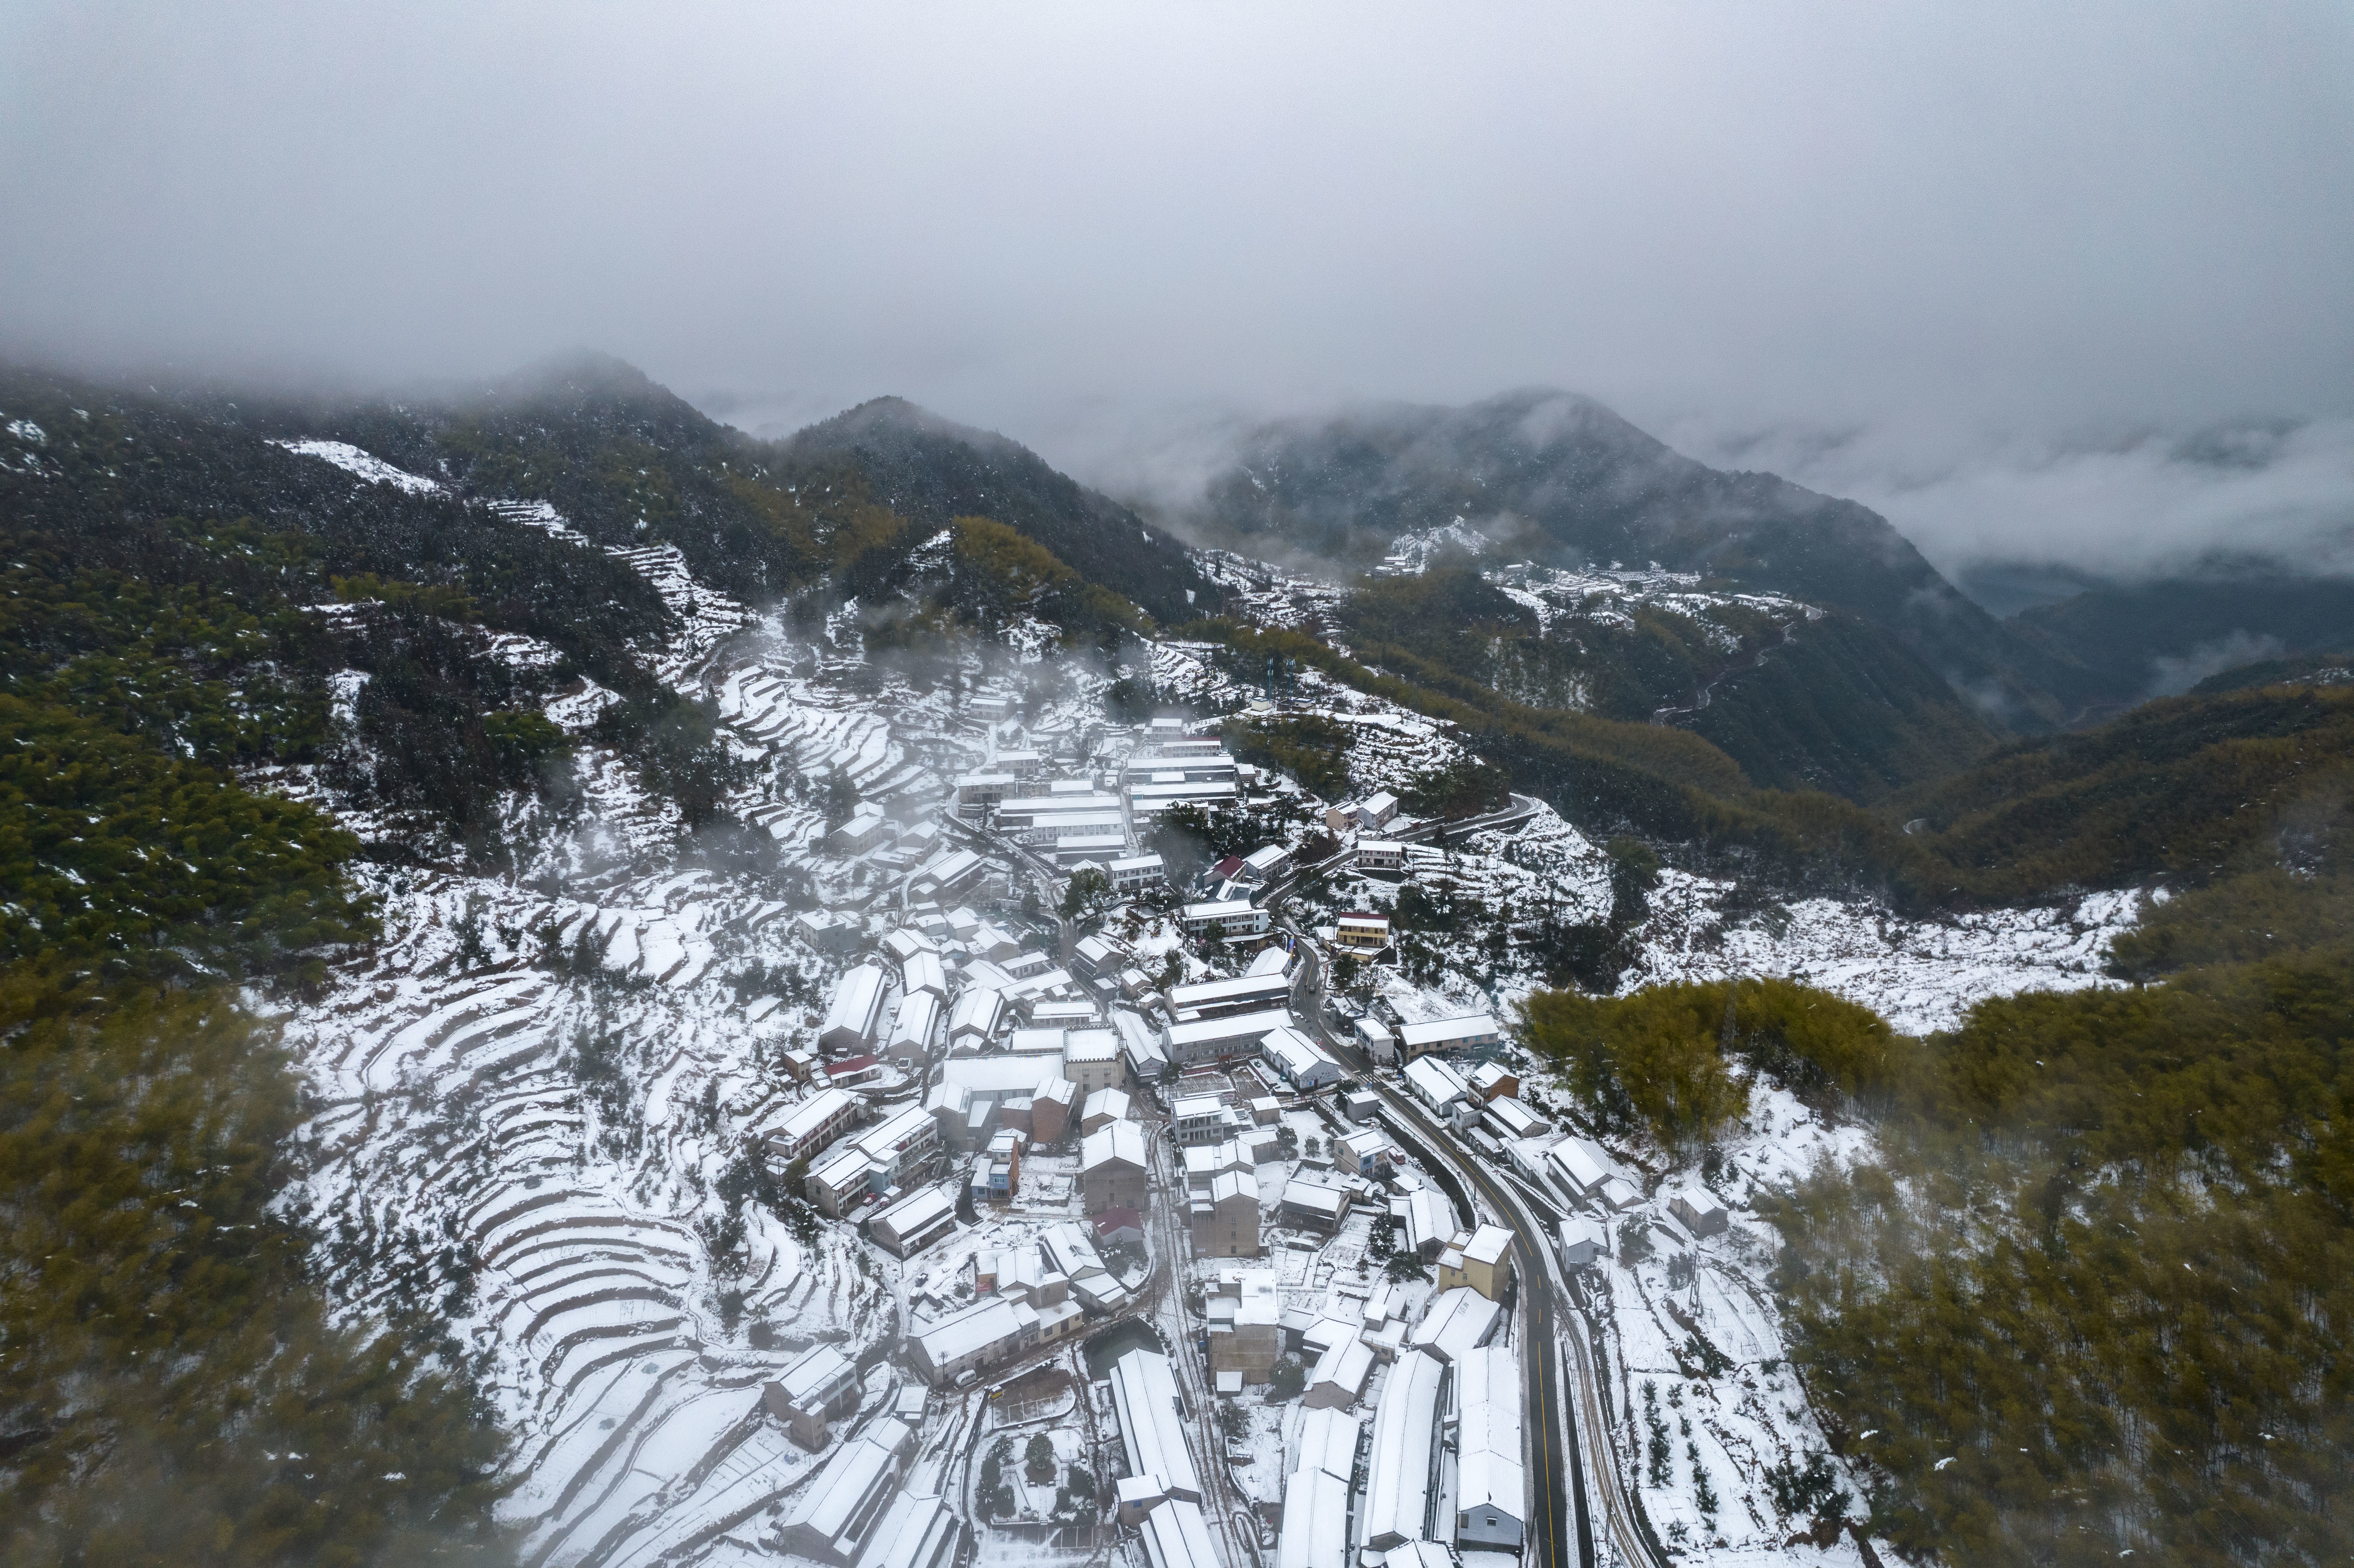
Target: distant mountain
(2156, 639)
(1563, 480)
(933, 470)
(1801, 700)
(628, 462)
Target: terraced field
(539, 1146)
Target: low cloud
(2127, 505)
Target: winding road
(1572, 1431)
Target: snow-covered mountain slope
(528, 1099)
(534, 1099)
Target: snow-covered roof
(996, 1075)
(978, 1009)
(1091, 1046)
(849, 1480)
(1035, 1041)
(917, 1211)
(905, 943)
(916, 1533)
(1344, 1365)
(813, 1378)
(1316, 1495)
(813, 1114)
(919, 1018)
(1512, 1118)
(1456, 1323)
(1258, 985)
(1250, 1026)
(1316, 1197)
(1488, 1244)
(1176, 1536)
(1220, 909)
(1489, 1439)
(990, 1321)
(1428, 1217)
(1153, 1421)
(1298, 1057)
(1397, 1481)
(1440, 1032)
(858, 1001)
(1435, 1081)
(922, 972)
(1120, 1142)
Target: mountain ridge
(1564, 477)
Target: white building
(1583, 1240)
(1132, 874)
(830, 1521)
(1152, 1421)
(1225, 917)
(851, 1022)
(1436, 1084)
(1316, 1493)
(1402, 1472)
(1470, 1032)
(1380, 854)
(813, 1124)
(914, 1222)
(1234, 1035)
(1304, 1064)
(1491, 1480)
(1376, 1038)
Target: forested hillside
(1800, 702)
(1563, 480)
(2157, 639)
(2092, 1296)
(213, 625)
(172, 1387)
(242, 669)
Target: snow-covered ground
(527, 1096)
(1920, 975)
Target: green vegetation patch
(170, 1389)
(2095, 1297)
(1659, 1063)
(1310, 747)
(112, 850)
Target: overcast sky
(1982, 267)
